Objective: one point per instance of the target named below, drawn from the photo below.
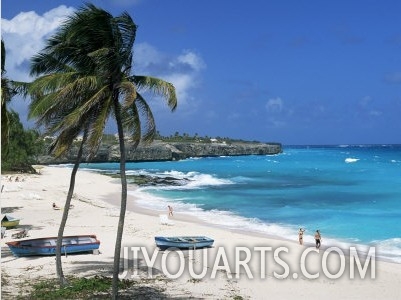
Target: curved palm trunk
(123, 207)
(67, 204)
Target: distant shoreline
(169, 151)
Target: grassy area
(97, 287)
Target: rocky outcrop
(167, 151)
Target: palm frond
(98, 122)
(132, 116)
(128, 92)
(158, 87)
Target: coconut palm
(85, 80)
(5, 97)
(8, 90)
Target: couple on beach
(318, 237)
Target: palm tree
(86, 79)
(5, 97)
(8, 90)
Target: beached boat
(9, 221)
(47, 245)
(183, 242)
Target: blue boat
(183, 242)
(47, 245)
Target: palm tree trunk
(123, 207)
(59, 268)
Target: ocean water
(352, 194)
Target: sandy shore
(280, 269)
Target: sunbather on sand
(55, 207)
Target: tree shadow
(142, 286)
(10, 209)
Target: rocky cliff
(167, 151)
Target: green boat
(9, 221)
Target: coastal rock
(169, 151)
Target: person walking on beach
(318, 239)
(170, 211)
(301, 236)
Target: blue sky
(295, 72)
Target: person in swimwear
(318, 239)
(301, 236)
(170, 211)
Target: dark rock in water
(147, 180)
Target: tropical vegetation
(19, 147)
(22, 148)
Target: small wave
(63, 166)
(390, 249)
(189, 180)
(349, 160)
(150, 201)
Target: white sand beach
(96, 211)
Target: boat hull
(10, 224)
(183, 242)
(9, 221)
(47, 246)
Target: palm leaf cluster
(83, 68)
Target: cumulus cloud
(368, 108)
(274, 105)
(192, 60)
(24, 36)
(276, 112)
(182, 70)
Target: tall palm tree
(56, 100)
(9, 89)
(5, 97)
(86, 79)
(7, 92)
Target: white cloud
(191, 59)
(145, 56)
(183, 83)
(182, 70)
(276, 113)
(274, 105)
(375, 113)
(24, 36)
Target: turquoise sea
(351, 193)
